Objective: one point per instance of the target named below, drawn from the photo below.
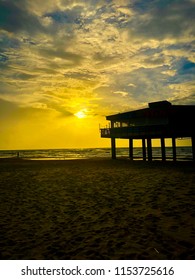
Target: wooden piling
(174, 148)
(149, 148)
(163, 153)
(131, 148)
(144, 148)
(113, 147)
(193, 147)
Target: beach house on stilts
(159, 121)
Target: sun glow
(81, 114)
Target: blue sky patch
(188, 67)
(3, 58)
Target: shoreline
(97, 209)
(135, 159)
(183, 153)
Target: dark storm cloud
(68, 16)
(143, 83)
(186, 46)
(186, 100)
(154, 60)
(23, 76)
(72, 58)
(7, 42)
(15, 18)
(86, 76)
(3, 58)
(4, 64)
(161, 19)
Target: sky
(65, 65)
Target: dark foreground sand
(97, 209)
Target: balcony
(136, 132)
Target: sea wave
(183, 153)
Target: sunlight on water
(183, 153)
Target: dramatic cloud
(60, 57)
(15, 18)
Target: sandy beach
(97, 209)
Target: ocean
(183, 153)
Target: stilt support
(162, 140)
(113, 147)
(131, 148)
(193, 147)
(144, 148)
(149, 147)
(174, 148)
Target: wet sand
(97, 209)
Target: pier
(161, 120)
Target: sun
(81, 114)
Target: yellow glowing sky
(65, 65)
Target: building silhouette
(159, 121)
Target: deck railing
(136, 131)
